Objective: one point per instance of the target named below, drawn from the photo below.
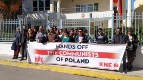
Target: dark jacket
(120, 39)
(17, 38)
(84, 39)
(23, 37)
(134, 42)
(15, 43)
(101, 39)
(72, 38)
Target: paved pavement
(136, 74)
(16, 73)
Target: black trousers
(24, 52)
(131, 55)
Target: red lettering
(39, 59)
(116, 65)
(100, 63)
(104, 64)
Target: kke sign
(74, 54)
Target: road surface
(17, 73)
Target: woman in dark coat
(15, 45)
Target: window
(55, 6)
(34, 5)
(77, 8)
(90, 7)
(83, 8)
(87, 8)
(47, 4)
(95, 6)
(41, 5)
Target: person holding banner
(131, 48)
(101, 38)
(81, 38)
(120, 38)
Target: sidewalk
(136, 74)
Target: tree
(9, 7)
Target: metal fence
(8, 26)
(7, 29)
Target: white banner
(74, 54)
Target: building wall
(70, 5)
(27, 6)
(138, 5)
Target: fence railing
(8, 26)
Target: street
(16, 73)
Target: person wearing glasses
(101, 38)
(81, 38)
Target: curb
(80, 72)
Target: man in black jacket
(120, 38)
(131, 48)
(23, 42)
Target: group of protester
(74, 35)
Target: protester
(120, 38)
(52, 36)
(61, 33)
(72, 36)
(15, 45)
(34, 31)
(31, 36)
(131, 48)
(101, 38)
(41, 37)
(66, 37)
(85, 32)
(23, 42)
(81, 38)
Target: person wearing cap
(81, 38)
(131, 48)
(101, 38)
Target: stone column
(110, 22)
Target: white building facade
(71, 9)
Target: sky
(132, 4)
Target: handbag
(13, 46)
